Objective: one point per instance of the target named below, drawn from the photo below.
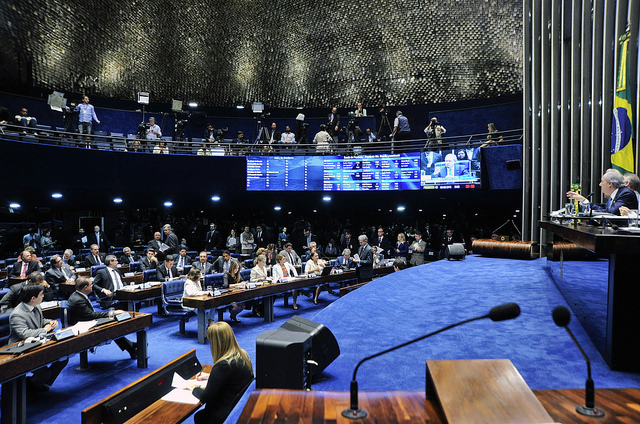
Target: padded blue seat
(172, 302)
(215, 280)
(248, 263)
(5, 328)
(187, 268)
(334, 263)
(149, 275)
(96, 268)
(245, 274)
(134, 266)
(84, 251)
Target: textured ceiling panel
(284, 53)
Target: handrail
(229, 148)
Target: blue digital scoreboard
(334, 173)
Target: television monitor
(450, 168)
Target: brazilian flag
(621, 128)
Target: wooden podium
(483, 391)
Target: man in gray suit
(26, 320)
(291, 255)
(417, 249)
(364, 261)
(202, 264)
(171, 240)
(59, 272)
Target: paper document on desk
(182, 390)
(83, 326)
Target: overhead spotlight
(401, 208)
(289, 213)
(168, 204)
(315, 211)
(239, 107)
(277, 208)
(117, 200)
(193, 104)
(419, 210)
(326, 198)
(215, 198)
(14, 205)
(56, 195)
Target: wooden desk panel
(297, 406)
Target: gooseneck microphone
(497, 313)
(562, 316)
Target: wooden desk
(152, 407)
(206, 305)
(132, 297)
(482, 391)
(298, 406)
(13, 368)
(622, 346)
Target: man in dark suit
(428, 161)
(25, 321)
(364, 262)
(183, 260)
(24, 266)
(202, 264)
(348, 242)
(222, 263)
(107, 281)
(167, 271)
(383, 243)
(614, 190)
(213, 238)
(150, 261)
(171, 240)
(333, 122)
(259, 237)
(58, 273)
(80, 241)
(100, 238)
(12, 299)
(94, 257)
(128, 256)
(156, 245)
(81, 309)
(307, 239)
(449, 169)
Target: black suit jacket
(333, 123)
(624, 197)
(12, 298)
(81, 309)
(385, 246)
(102, 280)
(187, 260)
(90, 261)
(124, 259)
(17, 268)
(162, 272)
(365, 270)
(104, 241)
(173, 243)
(145, 264)
(214, 240)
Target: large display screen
(402, 171)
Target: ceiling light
(56, 195)
(117, 200)
(168, 204)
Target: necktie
(98, 260)
(170, 273)
(116, 279)
(226, 266)
(609, 203)
(181, 262)
(24, 270)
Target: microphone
(562, 316)
(497, 313)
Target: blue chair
(134, 266)
(172, 302)
(84, 251)
(149, 275)
(236, 255)
(216, 252)
(187, 268)
(248, 263)
(10, 261)
(96, 268)
(5, 329)
(215, 280)
(245, 274)
(194, 255)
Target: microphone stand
(495, 314)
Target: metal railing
(227, 147)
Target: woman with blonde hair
(229, 378)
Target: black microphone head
(561, 316)
(504, 312)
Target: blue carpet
(386, 312)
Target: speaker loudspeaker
(456, 251)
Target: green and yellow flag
(621, 128)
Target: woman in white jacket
(283, 269)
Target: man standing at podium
(364, 260)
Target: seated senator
(81, 309)
(25, 321)
(449, 170)
(229, 378)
